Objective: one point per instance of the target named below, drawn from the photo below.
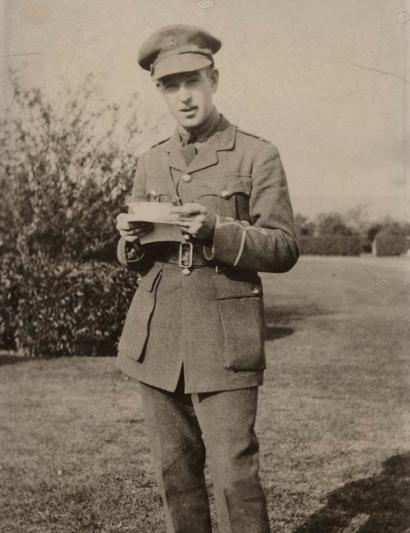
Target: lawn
(333, 422)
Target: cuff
(228, 242)
(129, 252)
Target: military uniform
(194, 337)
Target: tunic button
(225, 193)
(255, 290)
(153, 192)
(187, 178)
(176, 200)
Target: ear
(214, 77)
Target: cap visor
(180, 63)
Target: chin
(190, 123)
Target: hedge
(331, 245)
(63, 308)
(388, 243)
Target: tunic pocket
(157, 191)
(242, 318)
(227, 196)
(136, 328)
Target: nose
(184, 94)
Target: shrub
(390, 241)
(64, 172)
(332, 224)
(11, 283)
(65, 308)
(331, 245)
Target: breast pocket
(227, 196)
(157, 191)
(241, 311)
(137, 323)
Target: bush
(389, 242)
(11, 283)
(63, 308)
(331, 245)
(64, 172)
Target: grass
(333, 420)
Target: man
(193, 336)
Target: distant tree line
(352, 234)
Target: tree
(332, 224)
(304, 227)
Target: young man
(194, 332)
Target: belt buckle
(185, 257)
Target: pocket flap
(227, 186)
(156, 188)
(148, 281)
(237, 286)
(236, 185)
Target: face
(189, 95)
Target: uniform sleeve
(132, 254)
(268, 243)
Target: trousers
(184, 430)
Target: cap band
(183, 59)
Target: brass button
(255, 290)
(225, 193)
(153, 193)
(186, 271)
(187, 178)
(176, 200)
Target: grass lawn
(333, 423)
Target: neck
(202, 132)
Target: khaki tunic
(211, 322)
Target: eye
(170, 86)
(192, 81)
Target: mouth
(188, 110)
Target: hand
(194, 220)
(132, 231)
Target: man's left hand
(194, 220)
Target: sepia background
(325, 80)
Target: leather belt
(187, 255)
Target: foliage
(65, 172)
(63, 175)
(393, 239)
(11, 283)
(332, 224)
(330, 245)
(64, 308)
(304, 227)
(335, 234)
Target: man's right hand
(132, 231)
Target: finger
(188, 209)
(184, 224)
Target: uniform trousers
(184, 429)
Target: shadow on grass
(273, 333)
(13, 359)
(277, 318)
(380, 502)
(287, 313)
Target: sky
(324, 80)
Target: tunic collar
(203, 132)
(222, 139)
